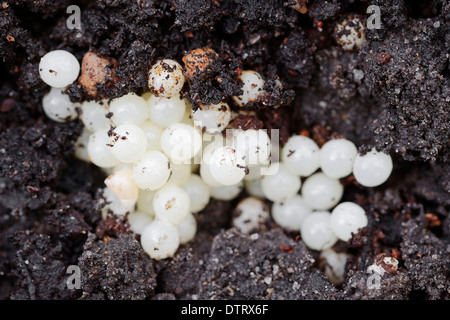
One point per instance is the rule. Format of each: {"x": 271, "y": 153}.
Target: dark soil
{"x": 394, "y": 94}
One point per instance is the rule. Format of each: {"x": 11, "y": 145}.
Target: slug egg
{"x": 128, "y": 143}
{"x": 251, "y": 214}
{"x": 322, "y": 192}
{"x": 337, "y": 157}
{"x": 198, "y": 191}
{"x": 59, "y": 68}
{"x": 290, "y": 213}
{"x": 187, "y": 228}
{"x": 166, "y": 111}
{"x": 226, "y": 193}
{"x": 316, "y": 231}
{"x": 301, "y": 155}
{"x": 253, "y": 144}
{"x": 138, "y": 221}
{"x": 212, "y": 118}
{"x": 181, "y": 142}
{"x": 253, "y": 87}
{"x": 160, "y": 239}
{"x": 152, "y": 171}
{"x": 165, "y": 78}
{"x": 129, "y": 108}
{"x": 227, "y": 165}
{"x": 346, "y": 219}
{"x": 99, "y": 151}
{"x": 94, "y": 116}
{"x": 281, "y": 185}
{"x": 171, "y": 203}
{"x": 373, "y": 168}
{"x": 58, "y": 107}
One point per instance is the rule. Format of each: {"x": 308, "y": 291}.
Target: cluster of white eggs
{"x": 165, "y": 161}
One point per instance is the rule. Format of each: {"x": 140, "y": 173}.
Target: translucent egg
{"x": 165, "y": 78}
{"x": 372, "y": 169}
{"x": 94, "y": 116}
{"x": 138, "y": 221}
{"x": 251, "y": 215}
{"x": 227, "y": 165}
{"x": 160, "y": 239}
{"x": 335, "y": 263}
{"x": 129, "y": 108}
{"x": 290, "y": 213}
{"x": 153, "y": 133}
{"x": 122, "y": 184}
{"x": 171, "y": 203}
{"x": 281, "y": 185}
{"x": 253, "y": 188}
{"x": 316, "y": 231}
{"x": 145, "y": 202}
{"x": 346, "y": 219}
{"x": 59, "y": 68}
{"x": 181, "y": 142}
{"x": 301, "y": 155}
{"x": 337, "y": 157}
{"x": 322, "y": 192}
{"x": 152, "y": 171}
{"x": 58, "y": 107}
{"x": 187, "y": 228}
{"x": 180, "y": 174}
{"x": 212, "y": 119}
{"x": 116, "y": 205}
{"x": 128, "y": 143}
{"x": 99, "y": 150}
{"x": 253, "y": 87}
{"x": 253, "y": 144}
{"x": 198, "y": 191}
{"x": 166, "y": 111}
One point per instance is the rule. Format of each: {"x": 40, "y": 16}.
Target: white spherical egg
{"x": 334, "y": 268}
{"x": 166, "y": 111}
{"x": 316, "y": 231}
{"x": 160, "y": 239}
{"x": 128, "y": 143}
{"x": 58, "y": 107}
{"x": 171, "y": 203}
{"x": 59, "y": 68}
{"x": 346, "y": 219}
{"x": 116, "y": 205}
{"x": 138, "y": 221}
{"x": 122, "y": 184}
{"x": 301, "y": 155}
{"x": 281, "y": 185}
{"x": 152, "y": 171}
{"x": 181, "y": 142}
{"x": 253, "y": 87}
{"x": 253, "y": 188}
{"x": 205, "y": 173}
{"x": 129, "y": 108}
{"x": 372, "y": 169}
{"x": 145, "y": 202}
{"x": 94, "y": 116}
{"x": 153, "y": 133}
{"x": 187, "y": 228}
{"x": 198, "y": 191}
{"x": 251, "y": 214}
{"x": 81, "y": 151}
{"x": 253, "y": 144}
{"x": 350, "y": 34}
{"x": 337, "y": 157}
{"x": 322, "y": 192}
{"x": 227, "y": 165}
{"x": 290, "y": 213}
{"x": 180, "y": 174}
{"x": 212, "y": 118}
{"x": 226, "y": 193}
{"x": 165, "y": 78}
{"x": 99, "y": 150}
